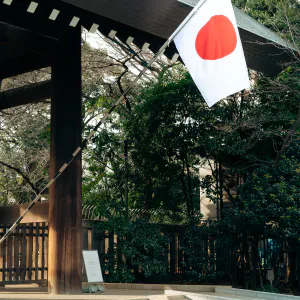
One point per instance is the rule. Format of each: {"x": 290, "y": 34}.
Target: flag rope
{"x": 101, "y": 122}
{"x": 83, "y": 144}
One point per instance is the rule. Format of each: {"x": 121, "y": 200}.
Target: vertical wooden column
{"x": 65, "y": 216}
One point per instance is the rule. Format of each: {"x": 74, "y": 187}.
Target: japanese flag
{"x": 210, "y": 46}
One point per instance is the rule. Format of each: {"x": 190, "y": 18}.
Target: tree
{"x": 24, "y": 131}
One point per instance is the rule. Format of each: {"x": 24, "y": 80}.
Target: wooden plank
{"x": 33, "y": 252}
{"x": 176, "y": 253}
{"x": 166, "y": 257}
{"x": 23, "y": 253}
{"x": 30, "y": 249}
{"x": 111, "y": 241}
{"x": 4, "y": 255}
{"x": 36, "y": 252}
{"x": 27, "y": 252}
{"x": 1, "y": 254}
{"x": 172, "y": 253}
{"x": 90, "y": 239}
{"x": 40, "y": 252}
{"x": 101, "y": 249}
{"x": 106, "y": 241}
{"x": 10, "y": 256}
{"x": 206, "y": 252}
{"x": 43, "y": 250}
{"x": 119, "y": 250}
{"x": 169, "y": 251}
{"x": 16, "y": 254}
{"x": 20, "y": 234}
{"x": 181, "y": 253}
{"x": 46, "y": 250}
{"x": 214, "y": 256}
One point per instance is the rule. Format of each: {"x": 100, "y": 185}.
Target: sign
{"x": 92, "y": 266}
{"x": 271, "y": 275}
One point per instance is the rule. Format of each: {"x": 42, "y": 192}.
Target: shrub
{"x": 140, "y": 249}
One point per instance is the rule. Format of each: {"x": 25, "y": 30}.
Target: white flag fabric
{"x": 210, "y": 47}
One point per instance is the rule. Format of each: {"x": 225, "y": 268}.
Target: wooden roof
{"x": 157, "y": 17}
{"x": 147, "y": 21}
{"x": 160, "y": 18}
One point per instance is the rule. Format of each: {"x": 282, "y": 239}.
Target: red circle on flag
{"x": 216, "y": 39}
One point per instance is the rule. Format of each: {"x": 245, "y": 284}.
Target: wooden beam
{"x": 33, "y": 93}
{"x": 16, "y": 14}
{"x": 21, "y": 65}
{"x": 65, "y": 205}
{"x": 39, "y": 213}
{"x": 29, "y": 40}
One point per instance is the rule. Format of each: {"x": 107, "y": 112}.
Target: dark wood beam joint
{"x": 28, "y": 40}
{"x": 33, "y": 93}
{"x": 21, "y": 65}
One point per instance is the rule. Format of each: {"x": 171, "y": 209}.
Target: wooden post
{"x": 126, "y": 179}
{"x": 65, "y": 216}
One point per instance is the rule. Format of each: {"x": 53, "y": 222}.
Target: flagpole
{"x": 186, "y": 20}
{"x": 101, "y": 122}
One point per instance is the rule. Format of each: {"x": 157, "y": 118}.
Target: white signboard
{"x": 271, "y": 275}
{"x": 92, "y": 266}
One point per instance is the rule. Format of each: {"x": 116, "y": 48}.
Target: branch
{"x": 288, "y": 138}
{"x": 25, "y": 177}
{"x": 290, "y": 27}
{"x": 128, "y": 106}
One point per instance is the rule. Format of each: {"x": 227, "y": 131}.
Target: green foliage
{"x": 270, "y": 198}
{"x": 201, "y": 245}
{"x": 104, "y": 180}
{"x": 275, "y": 14}
{"x": 164, "y": 144}
{"x": 163, "y": 151}
{"x": 140, "y": 247}
{"x": 268, "y": 288}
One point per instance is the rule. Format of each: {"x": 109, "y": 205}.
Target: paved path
{"x": 114, "y": 294}
{"x": 145, "y": 292}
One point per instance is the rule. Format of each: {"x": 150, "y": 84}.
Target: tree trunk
{"x": 190, "y": 191}
{"x": 221, "y": 176}
{"x": 184, "y": 191}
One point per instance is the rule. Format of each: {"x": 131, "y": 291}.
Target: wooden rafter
{"x": 33, "y": 93}
{"x": 21, "y": 65}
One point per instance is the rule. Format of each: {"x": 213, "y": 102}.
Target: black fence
{"x": 24, "y": 257}
{"x": 216, "y": 262}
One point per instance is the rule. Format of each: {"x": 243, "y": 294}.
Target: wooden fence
{"x": 23, "y": 257}
{"x": 174, "y": 233}
{"x": 176, "y": 261}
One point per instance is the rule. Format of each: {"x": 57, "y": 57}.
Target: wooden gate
{"x": 23, "y": 257}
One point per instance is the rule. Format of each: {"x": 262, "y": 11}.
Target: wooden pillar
{"x": 65, "y": 216}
